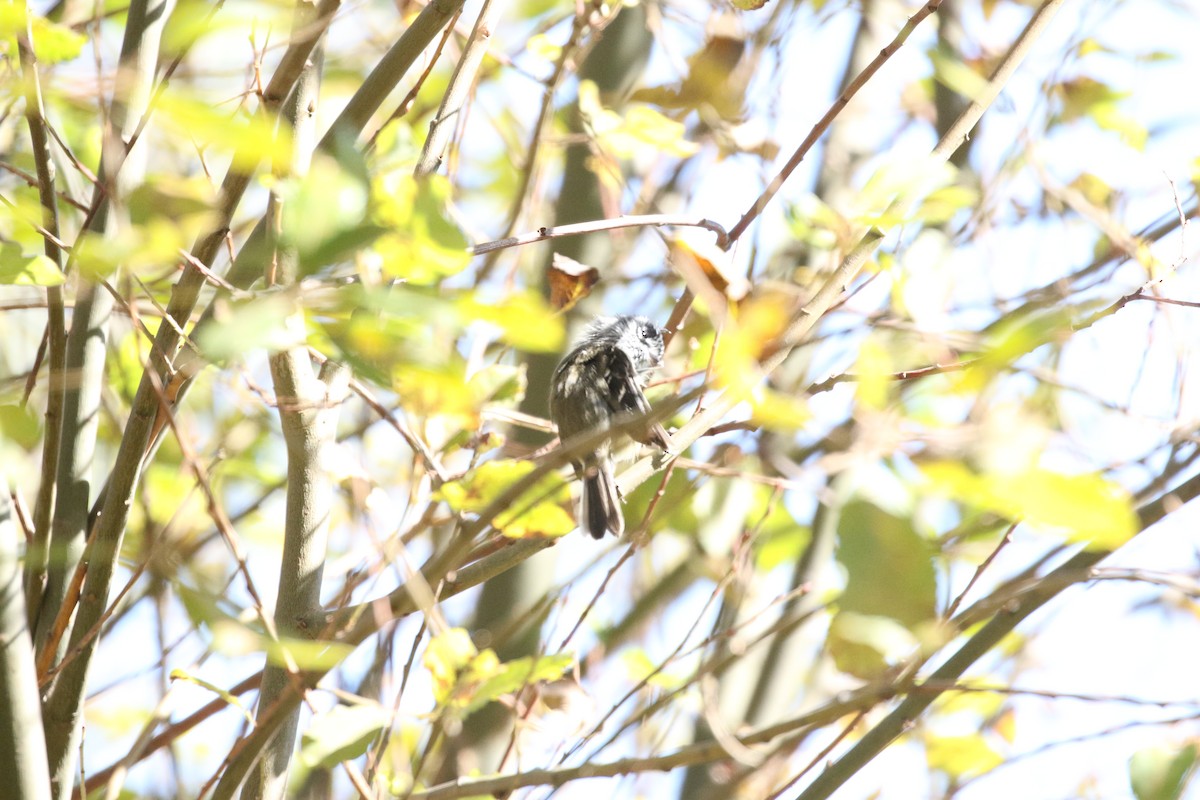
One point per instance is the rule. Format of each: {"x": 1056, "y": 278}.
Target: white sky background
{"x": 1089, "y": 640}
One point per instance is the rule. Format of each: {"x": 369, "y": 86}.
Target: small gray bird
{"x": 598, "y": 382}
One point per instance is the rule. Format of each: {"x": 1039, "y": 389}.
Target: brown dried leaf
{"x": 570, "y": 281}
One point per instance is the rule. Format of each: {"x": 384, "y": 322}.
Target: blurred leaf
{"x": 889, "y": 566}
{"x": 961, "y": 756}
{"x": 499, "y": 383}
{"x": 640, "y": 131}
{"x": 899, "y": 183}
{"x": 173, "y": 197}
{"x": 422, "y": 244}
{"x": 537, "y": 512}
{"x": 813, "y": 222}
{"x": 18, "y": 269}
{"x": 228, "y": 697}
{"x": 955, "y": 74}
{"x": 569, "y": 281}
{"x": 674, "y": 510}
{"x": 515, "y": 675}
{"x": 640, "y": 667}
{"x": 890, "y": 591}
{"x": 781, "y": 539}
{"x": 778, "y": 411}
{"x": 1161, "y": 773}
{"x": 232, "y": 638}
{"x": 251, "y": 139}
{"x": 874, "y": 369}
{"x": 524, "y": 319}
{"x": 541, "y": 46}
{"x": 20, "y": 425}
{"x": 1087, "y": 508}
{"x": 865, "y": 645}
{"x": 341, "y": 734}
{"x": 940, "y": 205}
{"x": 325, "y": 213}
{"x": 268, "y": 321}
{"x": 1016, "y": 336}
{"x": 446, "y": 655}
{"x": 52, "y": 43}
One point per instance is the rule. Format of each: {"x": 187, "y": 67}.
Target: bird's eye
{"x": 648, "y": 331}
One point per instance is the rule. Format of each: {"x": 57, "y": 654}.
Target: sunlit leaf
{"x": 1162, "y": 773}
{"x": 1086, "y": 508}
{"x": 341, "y": 734}
{"x": 865, "y": 645}
{"x": 228, "y": 697}
{"x": 515, "y": 675}
{"x": 422, "y": 244}
{"x": 961, "y": 756}
{"x": 19, "y": 425}
{"x": 874, "y": 369}
{"x": 641, "y": 130}
{"x": 950, "y": 70}
{"x": 244, "y": 325}
{"x": 250, "y": 139}
{"x": 781, "y": 539}
{"x": 570, "y": 281}
{"x": 524, "y": 319}
{"x": 640, "y": 667}
{"x": 52, "y": 43}
{"x": 537, "y": 512}
{"x": 18, "y": 269}
{"x": 235, "y": 639}
{"x": 325, "y": 213}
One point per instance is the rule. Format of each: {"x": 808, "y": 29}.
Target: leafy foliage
{"x": 917, "y": 393}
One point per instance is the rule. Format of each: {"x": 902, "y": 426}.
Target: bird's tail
{"x": 600, "y": 505}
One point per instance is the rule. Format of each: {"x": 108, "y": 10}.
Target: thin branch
{"x": 824, "y": 122}
{"x": 575, "y": 229}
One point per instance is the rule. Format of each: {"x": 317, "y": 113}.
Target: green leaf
{"x": 953, "y": 73}
{"x": 514, "y": 675}
{"x": 447, "y": 654}
{"x": 228, "y": 697}
{"x": 269, "y": 321}
{"x": 19, "y": 425}
{"x": 18, "y": 269}
{"x": 1015, "y": 337}
{"x": 233, "y": 638}
{"x": 640, "y": 130}
{"x": 499, "y": 383}
{"x": 1087, "y": 508}
{"x": 250, "y": 139}
{"x": 341, "y": 734}
{"x": 423, "y": 245}
{"x": 1161, "y": 773}
{"x": 537, "y": 512}
{"x": 675, "y": 510}
{"x": 890, "y": 595}
{"x": 525, "y": 320}
{"x": 865, "y": 645}
{"x": 889, "y": 566}
{"x": 52, "y": 43}
{"x": 325, "y": 213}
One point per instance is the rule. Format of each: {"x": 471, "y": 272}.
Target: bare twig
{"x": 645, "y": 220}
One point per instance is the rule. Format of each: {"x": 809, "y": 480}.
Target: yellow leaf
{"x": 1087, "y": 508}
{"x": 961, "y": 756}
